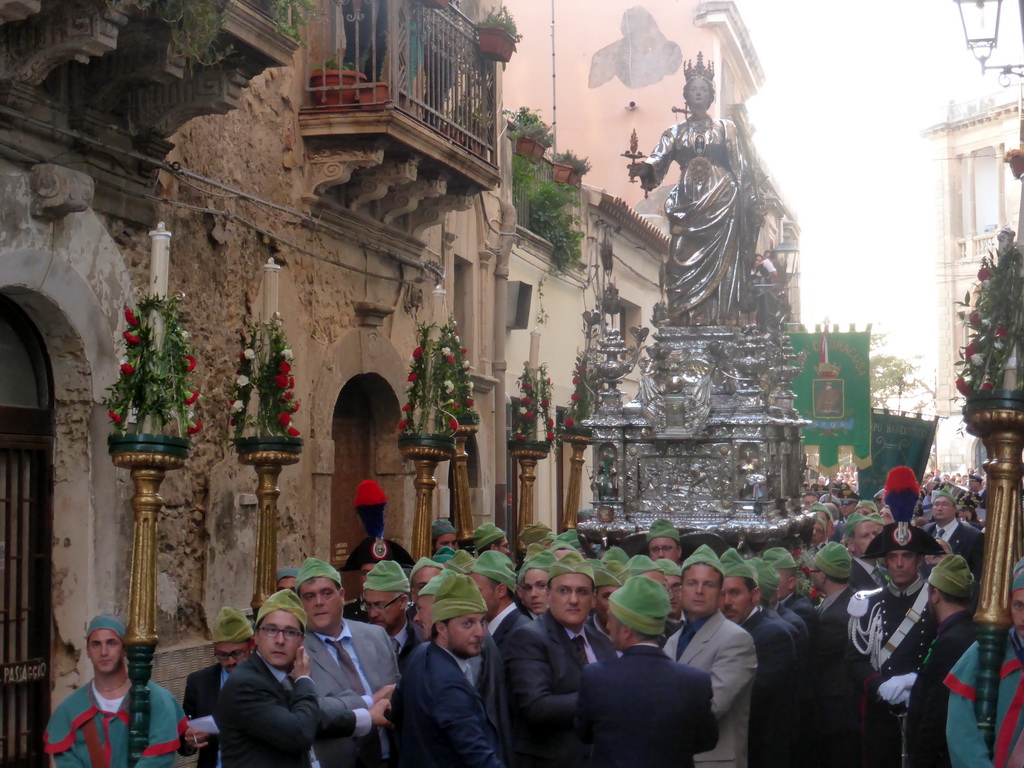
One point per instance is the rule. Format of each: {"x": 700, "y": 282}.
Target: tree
{"x": 895, "y": 378}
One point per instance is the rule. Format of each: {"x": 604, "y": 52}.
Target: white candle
{"x": 159, "y": 260}
{"x": 1010, "y": 372}
{"x": 534, "y": 347}
{"x": 271, "y": 275}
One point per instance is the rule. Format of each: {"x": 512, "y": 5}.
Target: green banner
{"x": 896, "y": 441}
{"x": 833, "y": 391}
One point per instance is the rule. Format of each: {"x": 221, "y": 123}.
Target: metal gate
{"x": 26, "y": 523}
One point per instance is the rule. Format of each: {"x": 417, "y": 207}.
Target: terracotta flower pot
{"x": 333, "y": 82}
{"x": 530, "y": 148}
{"x": 565, "y": 174}
{"x": 372, "y": 96}
{"x": 1016, "y": 164}
{"x": 495, "y": 43}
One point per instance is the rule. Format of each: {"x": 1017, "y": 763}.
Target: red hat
{"x": 369, "y": 493}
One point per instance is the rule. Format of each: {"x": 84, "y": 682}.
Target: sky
{"x": 849, "y": 89}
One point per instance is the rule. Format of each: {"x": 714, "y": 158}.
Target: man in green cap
{"x": 663, "y": 542}
{"x": 269, "y": 710}
{"x": 534, "y": 533}
{"x": 544, "y": 666}
{"x": 97, "y": 713}
{"x": 860, "y": 532}
{"x": 496, "y": 581}
{"x": 787, "y": 597}
{"x": 425, "y": 569}
{"x": 964, "y": 735}
{"x": 385, "y": 601}
{"x": 608, "y": 577}
{"x": 709, "y": 641}
{"x": 565, "y": 542}
{"x": 642, "y": 565}
{"x": 353, "y": 665}
{"x": 442, "y": 534}
{"x": 643, "y": 692}
{"x": 285, "y": 578}
{"x": 461, "y": 562}
{"x": 949, "y": 599}
{"x": 489, "y": 536}
{"x": 533, "y": 583}
{"x": 439, "y": 713}
{"x": 674, "y": 584}
{"x": 232, "y": 643}
{"x": 834, "y": 732}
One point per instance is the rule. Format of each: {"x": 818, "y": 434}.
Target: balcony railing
{"x": 424, "y": 62}
{"x": 973, "y": 248}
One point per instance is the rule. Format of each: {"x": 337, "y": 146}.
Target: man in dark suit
{"x": 269, "y": 714}
{"x": 438, "y": 711}
{"x": 951, "y": 585}
{"x": 496, "y": 581}
{"x": 544, "y": 664}
{"x": 964, "y": 540}
{"x": 860, "y": 532}
{"x": 354, "y": 667}
{"x": 834, "y": 738}
{"x": 773, "y": 696}
{"x": 386, "y": 602}
{"x": 232, "y": 643}
{"x": 643, "y": 692}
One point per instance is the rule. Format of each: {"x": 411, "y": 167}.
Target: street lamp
{"x": 981, "y": 26}
{"x": 785, "y": 256}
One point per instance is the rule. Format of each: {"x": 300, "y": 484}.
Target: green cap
{"x": 443, "y": 555}
{"x": 868, "y": 505}
{"x": 663, "y": 529}
{"x": 833, "y": 560}
{"x": 703, "y": 555}
{"x": 461, "y": 562}
{"x": 735, "y": 566}
{"x": 952, "y": 576}
{"x": 819, "y": 507}
{"x": 440, "y": 528}
{"x": 779, "y": 557}
{"x": 640, "y": 564}
{"x": 875, "y": 517}
{"x": 285, "y": 600}
{"x": 533, "y": 533}
{"x": 822, "y": 518}
{"x": 541, "y": 561}
{"x": 316, "y": 569}
{"x": 535, "y": 549}
{"x": 944, "y": 491}
{"x": 568, "y": 539}
{"x": 855, "y": 519}
{"x": 495, "y": 565}
{"x": 423, "y": 562}
{"x": 107, "y": 621}
{"x": 641, "y": 604}
{"x": 285, "y": 572}
{"x": 231, "y": 626}
{"x": 611, "y": 574}
{"x": 669, "y": 567}
{"x": 387, "y": 576}
{"x": 1018, "y": 576}
{"x": 487, "y": 534}
{"x": 457, "y": 596}
{"x": 431, "y": 587}
{"x": 767, "y": 579}
{"x": 615, "y": 555}
{"x": 571, "y": 563}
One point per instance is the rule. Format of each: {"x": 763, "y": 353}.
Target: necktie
{"x": 348, "y": 668}
{"x": 581, "y": 649}
{"x": 685, "y": 638}
{"x": 398, "y": 648}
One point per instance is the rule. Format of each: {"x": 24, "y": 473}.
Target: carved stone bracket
{"x": 16, "y": 10}
{"x": 374, "y": 184}
{"x": 432, "y": 211}
{"x": 58, "y": 191}
{"x": 334, "y": 167}
{"x": 408, "y": 198}
{"x": 67, "y": 31}
{"x": 142, "y": 58}
{"x": 162, "y": 109}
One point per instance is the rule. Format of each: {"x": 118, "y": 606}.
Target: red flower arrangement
{"x": 531, "y": 417}
{"x": 264, "y": 370}
{"x": 440, "y": 383}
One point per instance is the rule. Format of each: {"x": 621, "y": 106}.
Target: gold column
{"x": 268, "y": 466}
{"x": 463, "y": 510}
{"x": 527, "y": 458}
{"x": 571, "y": 509}
{"x": 425, "y": 456}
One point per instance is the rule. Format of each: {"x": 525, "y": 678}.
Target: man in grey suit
{"x": 709, "y": 641}
{"x": 355, "y": 670}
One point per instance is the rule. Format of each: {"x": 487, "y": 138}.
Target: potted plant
{"x": 567, "y": 168}
{"x": 332, "y": 87}
{"x": 532, "y": 136}
{"x": 533, "y": 428}
{"x": 581, "y": 402}
{"x": 428, "y": 416}
{"x": 1015, "y": 159}
{"x": 459, "y": 371}
{"x": 264, "y": 372}
{"x": 154, "y": 390}
{"x": 498, "y": 35}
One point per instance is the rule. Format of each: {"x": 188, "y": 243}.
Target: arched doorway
{"x": 365, "y": 413}
{"x": 26, "y": 485}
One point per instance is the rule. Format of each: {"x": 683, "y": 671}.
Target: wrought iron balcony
{"x": 394, "y": 82}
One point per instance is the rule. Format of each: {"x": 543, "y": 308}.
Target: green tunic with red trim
{"x": 65, "y": 739}
{"x": 966, "y": 745}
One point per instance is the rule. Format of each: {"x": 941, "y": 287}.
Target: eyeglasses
{"x": 378, "y": 607}
{"x": 291, "y": 635}
{"x": 663, "y": 550}
{"x": 241, "y": 653}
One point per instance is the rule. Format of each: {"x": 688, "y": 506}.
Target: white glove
{"x": 889, "y": 690}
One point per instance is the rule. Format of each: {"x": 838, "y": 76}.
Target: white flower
{"x": 242, "y": 381}
{"x": 448, "y": 385}
{"x": 446, "y": 351}
{"x": 523, "y": 411}
{"x": 250, "y": 354}
{"x": 977, "y": 359}
{"x": 184, "y": 333}
{"x": 236, "y": 406}
{"x": 467, "y": 366}
{"x": 288, "y": 354}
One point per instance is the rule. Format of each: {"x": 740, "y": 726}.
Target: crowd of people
{"x": 857, "y": 650}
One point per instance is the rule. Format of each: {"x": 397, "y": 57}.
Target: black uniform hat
{"x": 920, "y": 541}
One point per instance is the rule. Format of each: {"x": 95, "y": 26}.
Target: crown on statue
{"x": 827, "y": 370}
{"x": 706, "y": 73}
